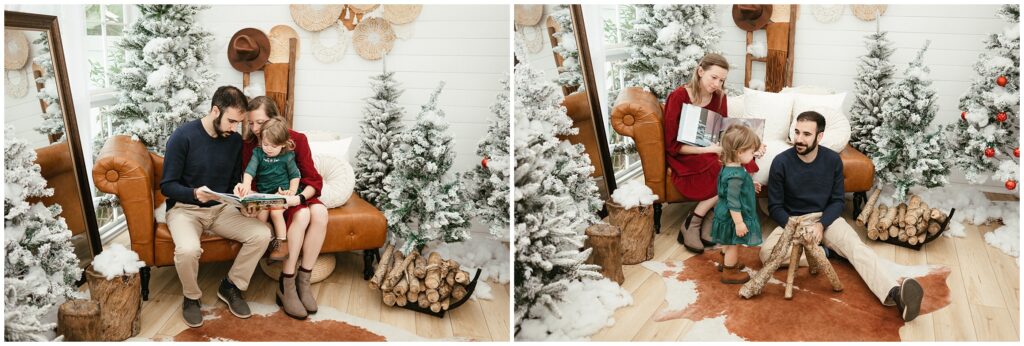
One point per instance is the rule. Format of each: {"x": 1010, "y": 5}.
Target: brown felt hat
{"x": 248, "y": 50}
{"x": 751, "y": 17}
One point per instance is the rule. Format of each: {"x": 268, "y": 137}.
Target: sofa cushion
{"x": 357, "y": 225}
{"x": 809, "y": 102}
{"x": 337, "y": 148}
{"x": 775, "y": 108}
{"x": 773, "y": 148}
{"x": 339, "y": 179}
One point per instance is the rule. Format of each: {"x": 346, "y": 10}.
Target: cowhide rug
{"x": 816, "y": 313}
{"x": 269, "y": 323}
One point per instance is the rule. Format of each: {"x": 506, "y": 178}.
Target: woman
{"x": 306, "y": 216}
{"x": 695, "y": 169}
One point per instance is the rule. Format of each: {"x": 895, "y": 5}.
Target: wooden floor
{"x": 345, "y": 290}
{"x": 984, "y": 284}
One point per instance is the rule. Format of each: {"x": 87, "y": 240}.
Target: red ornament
{"x": 963, "y": 116}
{"x": 989, "y": 152}
{"x": 1016, "y": 152}
{"x": 484, "y": 162}
{"x": 1001, "y": 117}
{"x": 1001, "y": 81}
{"x": 1011, "y": 185}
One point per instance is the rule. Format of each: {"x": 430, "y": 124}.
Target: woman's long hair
{"x": 269, "y": 107}
{"x": 711, "y": 59}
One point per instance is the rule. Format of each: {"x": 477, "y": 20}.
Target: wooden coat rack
{"x": 279, "y": 79}
{"x": 779, "y": 62}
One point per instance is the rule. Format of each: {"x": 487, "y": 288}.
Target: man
{"x": 808, "y": 178}
{"x": 204, "y": 154}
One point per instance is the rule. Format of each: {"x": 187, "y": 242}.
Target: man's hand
{"x": 203, "y": 196}
{"x": 241, "y": 190}
{"x": 757, "y": 187}
{"x": 817, "y": 232}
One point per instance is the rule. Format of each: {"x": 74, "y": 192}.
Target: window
{"x": 618, "y": 21}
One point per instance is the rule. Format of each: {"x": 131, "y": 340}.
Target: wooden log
{"x": 903, "y": 235}
{"x": 410, "y": 276}
{"x": 453, "y": 266}
{"x": 901, "y": 212}
{"x": 120, "y": 301}
{"x": 922, "y": 225}
{"x": 938, "y": 215}
{"x": 79, "y": 320}
{"x": 636, "y": 229}
{"x": 914, "y": 210}
{"x": 398, "y": 271}
{"x": 382, "y": 267}
{"x": 873, "y": 222}
{"x": 933, "y": 228}
{"x": 604, "y": 242}
{"x": 462, "y": 277}
{"x": 459, "y": 292}
{"x": 433, "y": 295}
{"x": 421, "y": 267}
{"x": 912, "y": 240}
{"x": 921, "y": 238}
{"x": 401, "y": 300}
{"x": 402, "y": 287}
{"x": 450, "y": 279}
{"x": 387, "y": 284}
{"x": 885, "y": 221}
{"x": 412, "y": 297}
{"x": 444, "y": 291}
{"x": 435, "y": 306}
{"x": 775, "y": 260}
{"x": 389, "y": 298}
{"x": 794, "y": 263}
{"x": 445, "y": 303}
{"x": 422, "y": 300}
{"x": 433, "y": 278}
{"x": 869, "y": 207}
{"x": 818, "y": 255}
{"x": 894, "y": 231}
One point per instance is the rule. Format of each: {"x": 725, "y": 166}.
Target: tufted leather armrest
{"x": 125, "y": 168}
{"x": 858, "y": 170}
{"x": 637, "y": 114}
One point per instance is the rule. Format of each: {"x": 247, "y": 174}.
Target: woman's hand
{"x": 292, "y": 200}
{"x": 760, "y": 152}
{"x": 714, "y": 149}
{"x": 241, "y": 190}
{"x": 741, "y": 229}
{"x": 757, "y": 187}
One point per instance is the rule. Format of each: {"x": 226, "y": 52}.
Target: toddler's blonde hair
{"x": 735, "y": 139}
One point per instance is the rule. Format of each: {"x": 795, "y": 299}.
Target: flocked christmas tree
{"x": 53, "y": 117}
{"x": 40, "y": 266}
{"x": 379, "y": 129}
{"x": 488, "y": 183}
{"x": 874, "y": 77}
{"x": 166, "y": 78}
{"x": 569, "y": 74}
{"x": 555, "y": 197}
{"x": 909, "y": 154}
{"x": 985, "y": 142}
{"x": 422, "y": 202}
{"x": 667, "y": 42}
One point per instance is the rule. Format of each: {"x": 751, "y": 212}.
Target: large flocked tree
{"x": 53, "y": 116}
{"x": 379, "y": 129}
{"x": 488, "y": 183}
{"x": 555, "y": 197}
{"x": 874, "y": 77}
{"x": 985, "y": 142}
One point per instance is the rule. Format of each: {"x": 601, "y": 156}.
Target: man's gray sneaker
{"x": 232, "y": 296}
{"x": 192, "y": 312}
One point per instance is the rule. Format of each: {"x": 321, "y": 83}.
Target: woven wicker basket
{"x": 402, "y": 14}
{"x": 373, "y": 38}
{"x": 529, "y": 14}
{"x": 316, "y": 19}
{"x": 323, "y": 268}
{"x": 868, "y": 12}
{"x": 361, "y": 9}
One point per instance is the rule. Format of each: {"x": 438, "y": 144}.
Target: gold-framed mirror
{"x": 38, "y": 105}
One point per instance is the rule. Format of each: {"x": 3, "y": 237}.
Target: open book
{"x": 255, "y": 201}
{"x": 701, "y": 127}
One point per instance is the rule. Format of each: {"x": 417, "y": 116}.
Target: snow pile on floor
{"x": 589, "y": 307}
{"x": 1007, "y": 237}
{"x": 710, "y": 329}
{"x": 485, "y": 253}
{"x": 482, "y": 291}
{"x": 973, "y": 207}
{"x": 117, "y": 260}
{"x": 632, "y": 194}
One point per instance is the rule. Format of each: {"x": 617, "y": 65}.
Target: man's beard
{"x": 808, "y": 149}
{"x": 216, "y": 127}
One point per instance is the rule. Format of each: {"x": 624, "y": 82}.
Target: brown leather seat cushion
{"x": 357, "y": 225}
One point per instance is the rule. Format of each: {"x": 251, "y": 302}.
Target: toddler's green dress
{"x": 735, "y": 193}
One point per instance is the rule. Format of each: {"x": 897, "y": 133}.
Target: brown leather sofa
{"x": 637, "y": 114}
{"x": 58, "y": 168}
{"x": 125, "y": 168}
{"x": 577, "y": 107}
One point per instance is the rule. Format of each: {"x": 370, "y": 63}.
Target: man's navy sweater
{"x": 796, "y": 188}
{"x": 195, "y": 159}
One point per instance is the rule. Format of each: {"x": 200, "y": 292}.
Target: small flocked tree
{"x": 909, "y": 154}
{"x": 874, "y": 77}
{"x": 985, "y": 142}
{"x": 569, "y": 74}
{"x": 167, "y": 76}
{"x": 667, "y": 42}
{"x": 53, "y": 117}
{"x": 488, "y": 183}
{"x": 40, "y": 266}
{"x": 423, "y": 203}
{"x": 555, "y": 197}
{"x": 379, "y": 129}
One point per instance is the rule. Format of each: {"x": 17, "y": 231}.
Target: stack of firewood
{"x": 429, "y": 282}
{"x": 911, "y": 222}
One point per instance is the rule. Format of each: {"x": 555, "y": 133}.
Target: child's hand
{"x": 285, "y": 192}
{"x": 241, "y": 190}
{"x": 741, "y": 229}
{"x": 757, "y": 187}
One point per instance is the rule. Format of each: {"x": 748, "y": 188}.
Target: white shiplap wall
{"x": 465, "y": 46}
{"x": 826, "y": 54}
{"x": 24, "y": 112}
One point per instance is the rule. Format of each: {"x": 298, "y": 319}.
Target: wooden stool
{"x": 79, "y": 320}
{"x": 603, "y": 239}
{"x": 794, "y": 241}
{"x": 637, "y": 227}
{"x": 120, "y": 301}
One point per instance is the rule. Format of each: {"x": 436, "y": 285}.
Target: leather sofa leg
{"x": 144, "y": 276}
{"x": 368, "y": 257}
{"x": 859, "y": 199}
{"x": 657, "y": 218}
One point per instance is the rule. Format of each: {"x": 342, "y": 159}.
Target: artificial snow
{"x": 486, "y": 253}
{"x": 482, "y": 291}
{"x": 1006, "y": 238}
{"x": 632, "y": 194}
{"x": 758, "y": 49}
{"x": 588, "y": 307}
{"x": 117, "y": 260}
{"x": 711, "y": 329}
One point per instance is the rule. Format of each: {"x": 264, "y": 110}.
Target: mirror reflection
{"x": 33, "y": 110}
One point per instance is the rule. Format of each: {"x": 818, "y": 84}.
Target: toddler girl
{"x": 736, "y": 221}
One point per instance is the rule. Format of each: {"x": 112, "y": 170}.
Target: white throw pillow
{"x": 736, "y": 107}
{"x": 339, "y": 179}
{"x": 335, "y": 148}
{"x": 837, "y": 128}
{"x": 775, "y": 108}
{"x": 808, "y": 102}
{"x": 321, "y": 136}
{"x": 764, "y": 164}
{"x": 808, "y": 90}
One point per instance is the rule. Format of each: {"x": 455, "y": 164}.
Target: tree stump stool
{"x": 793, "y": 243}
{"x": 79, "y": 320}
{"x": 120, "y": 302}
{"x": 606, "y": 252}
{"x": 637, "y": 228}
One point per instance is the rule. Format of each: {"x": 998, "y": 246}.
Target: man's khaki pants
{"x": 187, "y": 222}
{"x": 845, "y": 241}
